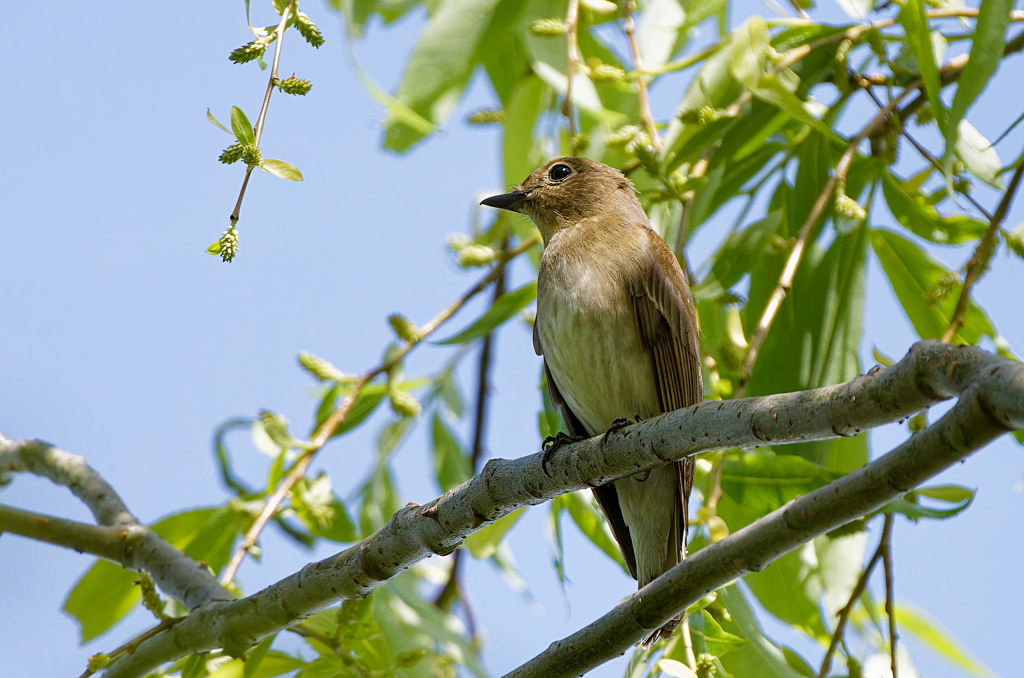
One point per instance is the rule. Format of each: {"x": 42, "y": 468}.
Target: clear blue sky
{"x": 127, "y": 344}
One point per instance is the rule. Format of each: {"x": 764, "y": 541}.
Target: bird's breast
{"x": 588, "y": 331}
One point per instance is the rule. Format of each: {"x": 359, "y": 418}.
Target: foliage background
{"x": 127, "y": 344}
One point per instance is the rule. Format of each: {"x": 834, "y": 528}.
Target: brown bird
{"x": 617, "y": 328}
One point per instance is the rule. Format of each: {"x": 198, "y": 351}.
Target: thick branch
{"x": 141, "y": 549}
{"x": 992, "y": 401}
{"x": 973, "y": 422}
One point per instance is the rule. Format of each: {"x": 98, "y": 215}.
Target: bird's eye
{"x": 559, "y": 172}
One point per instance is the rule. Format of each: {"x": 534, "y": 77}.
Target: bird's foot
{"x": 617, "y": 425}
{"x": 552, "y": 444}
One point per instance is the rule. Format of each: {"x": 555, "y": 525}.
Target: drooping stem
{"x": 261, "y": 120}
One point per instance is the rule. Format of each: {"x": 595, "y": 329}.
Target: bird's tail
{"x": 664, "y": 633}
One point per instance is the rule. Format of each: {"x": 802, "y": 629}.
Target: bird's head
{"x": 565, "y": 191}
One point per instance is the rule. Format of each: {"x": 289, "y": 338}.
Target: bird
{"x": 617, "y": 329}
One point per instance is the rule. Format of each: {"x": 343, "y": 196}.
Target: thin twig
{"x": 453, "y": 589}
{"x": 978, "y": 263}
{"x": 337, "y": 417}
{"x": 796, "y": 254}
{"x": 885, "y": 546}
{"x": 926, "y": 154}
{"x": 646, "y": 117}
{"x": 258, "y": 130}
{"x": 855, "y": 594}
{"x": 572, "y": 63}
{"x": 130, "y": 646}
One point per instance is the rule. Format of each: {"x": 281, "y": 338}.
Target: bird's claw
{"x": 617, "y": 425}
{"x": 551, "y": 445}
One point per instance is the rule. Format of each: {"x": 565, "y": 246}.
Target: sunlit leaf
{"x": 987, "y": 47}
{"x": 438, "y": 68}
{"x": 280, "y": 168}
{"x": 978, "y": 155}
{"x": 937, "y": 639}
{"x": 916, "y": 278}
{"x": 242, "y": 128}
{"x": 915, "y": 23}
{"x": 101, "y": 598}
{"x": 919, "y": 217}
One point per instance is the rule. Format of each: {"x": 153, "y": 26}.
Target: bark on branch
{"x": 138, "y": 548}
{"x": 991, "y": 391}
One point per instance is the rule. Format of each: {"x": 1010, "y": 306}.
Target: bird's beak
{"x": 506, "y": 201}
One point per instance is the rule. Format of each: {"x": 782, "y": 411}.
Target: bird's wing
{"x": 606, "y": 495}
{"x": 667, "y": 322}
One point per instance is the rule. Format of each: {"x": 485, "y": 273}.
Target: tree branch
{"x": 102, "y": 541}
{"x": 141, "y": 549}
{"x": 991, "y": 392}
{"x": 973, "y": 422}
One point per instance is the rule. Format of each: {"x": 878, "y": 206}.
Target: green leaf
{"x": 242, "y": 127}
{"x": 101, "y": 598}
{"x": 797, "y": 662}
{"x": 411, "y": 626}
{"x": 451, "y": 465}
{"x": 915, "y": 214}
{"x": 987, "y": 46}
{"x": 280, "y": 168}
{"x": 254, "y": 658}
{"x": 439, "y": 68}
{"x": 717, "y": 641}
{"x": 939, "y": 640}
{"x": 915, "y": 24}
{"x": 397, "y": 111}
{"x": 910, "y": 506}
{"x": 339, "y": 527}
{"x": 501, "y": 311}
{"x": 756, "y": 482}
{"x": 658, "y": 31}
{"x": 748, "y": 55}
{"x": 380, "y": 500}
{"x": 205, "y": 535}
{"x": 369, "y": 398}
{"x": 914, "y": 276}
{"x": 760, "y": 657}
{"x": 790, "y": 589}
{"x": 816, "y": 336}
{"x": 521, "y": 152}
{"x": 484, "y": 542}
{"x": 209, "y": 116}
{"x": 392, "y": 434}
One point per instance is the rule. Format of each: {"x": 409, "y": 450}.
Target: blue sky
{"x": 127, "y": 344}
